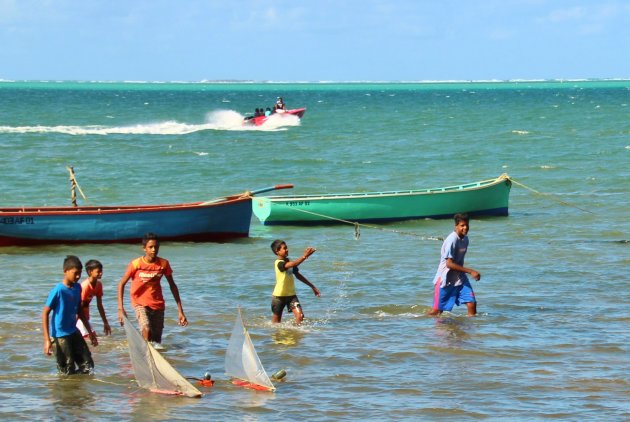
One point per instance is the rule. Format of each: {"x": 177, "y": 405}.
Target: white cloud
{"x": 593, "y": 14}
{"x": 576, "y": 13}
{"x": 591, "y": 19}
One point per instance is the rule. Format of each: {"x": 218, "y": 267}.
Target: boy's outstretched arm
{"x": 304, "y": 280}
{"x": 453, "y": 266}
{"x": 307, "y": 252}
{"x": 180, "y": 310}
{"x": 47, "y": 342}
{"x": 101, "y": 310}
{"x": 121, "y": 294}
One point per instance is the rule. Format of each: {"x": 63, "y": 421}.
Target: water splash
{"x": 215, "y": 120}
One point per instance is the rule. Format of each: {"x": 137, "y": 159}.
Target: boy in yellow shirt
{"x": 284, "y": 295}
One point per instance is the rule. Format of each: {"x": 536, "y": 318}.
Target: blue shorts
{"x": 446, "y": 297}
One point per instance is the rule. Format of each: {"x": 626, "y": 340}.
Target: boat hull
{"x": 210, "y": 221}
{"x": 485, "y": 198}
{"x": 259, "y": 120}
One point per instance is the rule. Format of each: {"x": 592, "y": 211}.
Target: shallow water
{"x": 551, "y": 339}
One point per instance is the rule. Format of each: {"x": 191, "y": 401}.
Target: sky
{"x": 324, "y": 40}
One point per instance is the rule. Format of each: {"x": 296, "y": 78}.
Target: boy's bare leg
{"x": 299, "y": 316}
{"x": 472, "y": 308}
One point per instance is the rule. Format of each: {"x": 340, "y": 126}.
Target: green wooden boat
{"x": 486, "y": 198}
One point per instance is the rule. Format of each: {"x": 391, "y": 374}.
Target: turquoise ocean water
{"x": 551, "y": 340}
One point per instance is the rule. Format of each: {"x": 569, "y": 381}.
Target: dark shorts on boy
{"x": 73, "y": 355}
{"x": 151, "y": 319}
{"x": 448, "y": 296}
{"x": 278, "y": 303}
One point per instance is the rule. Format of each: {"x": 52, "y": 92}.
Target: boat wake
{"x": 215, "y": 120}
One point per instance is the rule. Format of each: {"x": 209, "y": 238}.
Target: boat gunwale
{"x": 466, "y": 187}
{"x": 113, "y": 209}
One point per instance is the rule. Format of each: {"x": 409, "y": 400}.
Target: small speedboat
{"x": 260, "y": 120}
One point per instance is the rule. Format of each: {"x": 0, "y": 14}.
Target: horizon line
{"x": 323, "y": 82}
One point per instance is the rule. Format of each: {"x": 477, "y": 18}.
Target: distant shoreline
{"x": 222, "y": 84}
{"x": 246, "y": 81}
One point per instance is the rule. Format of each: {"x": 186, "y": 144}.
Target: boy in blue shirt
{"x": 451, "y": 282}
{"x": 64, "y": 300}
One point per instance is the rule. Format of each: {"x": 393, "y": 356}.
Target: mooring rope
{"x": 550, "y": 196}
{"x": 357, "y": 225}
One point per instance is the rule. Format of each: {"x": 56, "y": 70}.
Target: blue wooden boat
{"x": 216, "y": 220}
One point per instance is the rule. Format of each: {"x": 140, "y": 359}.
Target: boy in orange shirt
{"x": 145, "y": 274}
{"x": 92, "y": 287}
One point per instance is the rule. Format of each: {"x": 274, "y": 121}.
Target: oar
{"x": 270, "y": 188}
{"x": 249, "y": 193}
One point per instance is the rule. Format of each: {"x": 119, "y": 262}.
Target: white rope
{"x": 550, "y": 196}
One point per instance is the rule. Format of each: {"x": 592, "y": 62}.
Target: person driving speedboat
{"x": 279, "y": 107}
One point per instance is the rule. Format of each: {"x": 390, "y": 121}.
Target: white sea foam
{"x": 162, "y": 128}
{"x": 231, "y": 120}
{"x": 216, "y": 120}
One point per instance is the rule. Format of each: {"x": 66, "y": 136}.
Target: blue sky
{"x": 324, "y": 40}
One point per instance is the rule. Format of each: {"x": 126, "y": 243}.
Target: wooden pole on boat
{"x": 73, "y": 186}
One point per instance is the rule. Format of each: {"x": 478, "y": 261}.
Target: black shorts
{"x": 73, "y": 355}
{"x": 278, "y": 303}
